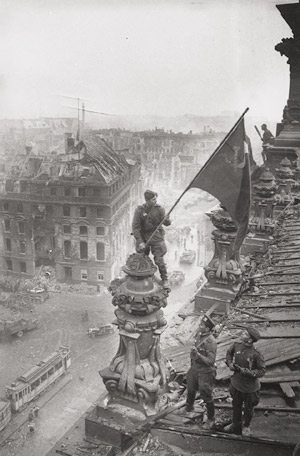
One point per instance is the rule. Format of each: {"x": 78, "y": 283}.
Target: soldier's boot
{"x": 210, "y": 407}
{"x": 164, "y": 276}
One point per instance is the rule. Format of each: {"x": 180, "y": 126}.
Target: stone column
{"x": 223, "y": 273}
{"x": 138, "y": 373}
{"x": 261, "y": 223}
{"x": 287, "y": 139}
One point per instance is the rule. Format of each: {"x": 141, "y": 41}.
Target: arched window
{"x": 83, "y": 250}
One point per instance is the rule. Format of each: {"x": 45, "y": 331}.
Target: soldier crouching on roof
{"x": 145, "y": 221}
{"x": 248, "y": 365}
{"x": 202, "y": 373}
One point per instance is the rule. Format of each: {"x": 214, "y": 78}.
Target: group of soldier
{"x": 247, "y": 365}
{"x": 242, "y": 358}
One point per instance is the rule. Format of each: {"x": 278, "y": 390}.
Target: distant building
{"x": 71, "y": 210}
{"x": 161, "y": 151}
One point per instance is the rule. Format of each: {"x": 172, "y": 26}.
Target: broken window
{"x": 84, "y": 275}
{"x": 7, "y": 225}
{"x": 100, "y": 230}
{"x": 66, "y": 211}
{"x": 21, "y": 227}
{"x": 8, "y": 245}
{"x": 100, "y": 251}
{"x": 67, "y": 249}
{"x": 82, "y": 211}
{"x": 68, "y": 273}
{"x": 23, "y": 186}
{"x": 20, "y": 207}
{"x": 83, "y": 230}
{"x": 22, "y": 266}
{"x": 9, "y": 264}
{"x": 22, "y": 247}
{"x": 81, "y": 191}
{"x": 67, "y": 229}
{"x": 83, "y": 250}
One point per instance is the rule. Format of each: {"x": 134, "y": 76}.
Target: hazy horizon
{"x": 169, "y": 58}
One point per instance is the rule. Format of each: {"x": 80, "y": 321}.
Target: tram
{"x": 29, "y": 385}
{"x": 5, "y": 413}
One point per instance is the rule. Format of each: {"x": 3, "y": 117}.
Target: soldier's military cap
{"x": 149, "y": 194}
{"x": 208, "y": 322}
{"x": 254, "y": 334}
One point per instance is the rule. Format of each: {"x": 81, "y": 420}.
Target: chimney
{"x": 69, "y": 142}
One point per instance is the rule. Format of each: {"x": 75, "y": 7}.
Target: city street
{"x": 61, "y": 323}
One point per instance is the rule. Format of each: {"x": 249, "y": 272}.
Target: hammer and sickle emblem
{"x": 236, "y": 157}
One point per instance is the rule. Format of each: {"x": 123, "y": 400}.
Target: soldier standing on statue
{"x": 146, "y": 219}
{"x": 202, "y": 373}
{"x": 248, "y": 365}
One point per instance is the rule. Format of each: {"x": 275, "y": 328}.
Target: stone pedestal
{"x": 138, "y": 373}
{"x": 223, "y": 273}
{"x": 261, "y": 223}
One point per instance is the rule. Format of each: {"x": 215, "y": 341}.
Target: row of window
{"x": 83, "y": 247}
{"x": 20, "y": 207}
{"x": 83, "y": 230}
{"x": 66, "y": 211}
{"x": 83, "y": 274}
{"x": 84, "y": 251}
{"x": 21, "y": 244}
{"x": 100, "y": 211}
{"x": 77, "y": 191}
{"x": 22, "y": 265}
{"x": 7, "y": 226}
{"x": 80, "y": 191}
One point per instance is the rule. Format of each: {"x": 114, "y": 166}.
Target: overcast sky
{"x": 142, "y": 57}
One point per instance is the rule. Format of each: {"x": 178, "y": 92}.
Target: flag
{"x": 226, "y": 175}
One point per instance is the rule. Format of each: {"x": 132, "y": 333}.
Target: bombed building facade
{"x": 70, "y": 210}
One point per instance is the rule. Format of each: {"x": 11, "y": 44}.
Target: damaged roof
{"x": 108, "y": 163}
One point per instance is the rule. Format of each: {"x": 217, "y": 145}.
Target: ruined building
{"x": 71, "y": 211}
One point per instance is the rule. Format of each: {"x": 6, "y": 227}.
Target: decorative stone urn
{"x": 223, "y": 273}
{"x": 262, "y": 222}
{"x": 138, "y": 373}
{"x": 285, "y": 180}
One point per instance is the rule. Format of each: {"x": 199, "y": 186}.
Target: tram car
{"x": 29, "y": 385}
{"x": 5, "y": 413}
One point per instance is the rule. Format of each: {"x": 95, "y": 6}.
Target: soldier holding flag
{"x": 226, "y": 176}
{"x": 149, "y": 233}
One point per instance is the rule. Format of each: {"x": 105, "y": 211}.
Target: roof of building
{"x": 108, "y": 163}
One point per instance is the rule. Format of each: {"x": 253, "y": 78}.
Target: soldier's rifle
{"x": 258, "y": 132}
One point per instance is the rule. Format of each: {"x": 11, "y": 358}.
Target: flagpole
{"x": 203, "y": 167}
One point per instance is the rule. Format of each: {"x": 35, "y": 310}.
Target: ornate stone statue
{"x": 138, "y": 373}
